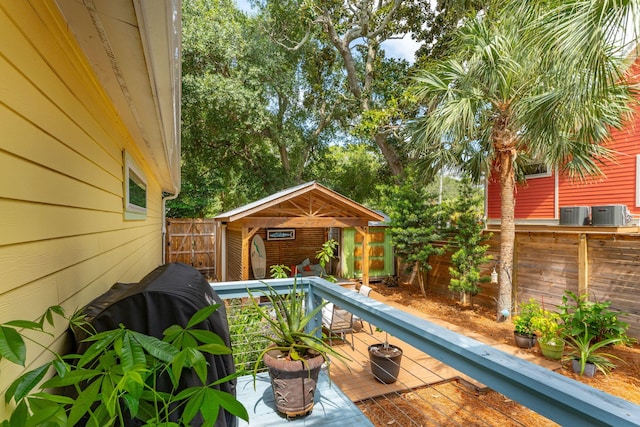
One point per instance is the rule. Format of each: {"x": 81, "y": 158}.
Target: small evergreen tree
{"x": 416, "y": 220}
{"x": 467, "y": 240}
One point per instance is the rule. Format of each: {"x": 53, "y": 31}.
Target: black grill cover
{"x": 169, "y": 295}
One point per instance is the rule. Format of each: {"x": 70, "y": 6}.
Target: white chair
{"x": 337, "y": 321}
{"x": 364, "y": 290}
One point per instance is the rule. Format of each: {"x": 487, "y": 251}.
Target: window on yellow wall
{"x": 135, "y": 190}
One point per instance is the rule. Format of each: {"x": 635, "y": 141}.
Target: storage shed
{"x": 293, "y": 224}
{"x": 381, "y": 255}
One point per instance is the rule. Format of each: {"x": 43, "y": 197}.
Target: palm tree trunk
{"x": 507, "y": 232}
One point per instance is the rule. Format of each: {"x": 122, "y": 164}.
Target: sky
{"x": 401, "y": 49}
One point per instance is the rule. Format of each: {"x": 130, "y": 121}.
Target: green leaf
{"x": 83, "y": 403}
{"x": 19, "y": 416}
{"x": 228, "y": 402}
{"x": 57, "y": 398}
{"x": 74, "y": 377}
{"x": 177, "y": 365}
{"x": 193, "y": 406}
{"x": 47, "y": 414}
{"x": 25, "y": 324}
{"x": 201, "y": 315}
{"x": 199, "y": 364}
{"x": 155, "y": 347}
{"x": 22, "y": 386}
{"x": 214, "y": 349}
{"x": 12, "y": 346}
{"x": 206, "y": 337}
{"x": 211, "y": 407}
{"x": 132, "y": 404}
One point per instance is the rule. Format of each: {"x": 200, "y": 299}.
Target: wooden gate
{"x": 192, "y": 241}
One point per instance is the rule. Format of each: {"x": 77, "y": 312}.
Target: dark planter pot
{"x": 525, "y": 341}
{"x": 293, "y": 383}
{"x": 553, "y": 349}
{"x": 589, "y": 368}
{"x": 385, "y": 362}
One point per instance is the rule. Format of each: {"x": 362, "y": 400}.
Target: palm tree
{"x": 511, "y": 94}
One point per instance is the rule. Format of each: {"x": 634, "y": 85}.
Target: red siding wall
{"x": 534, "y": 199}
{"x": 619, "y": 186}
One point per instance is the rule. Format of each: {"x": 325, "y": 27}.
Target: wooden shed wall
{"x": 307, "y": 243}
{"x": 63, "y": 237}
{"x": 546, "y": 264}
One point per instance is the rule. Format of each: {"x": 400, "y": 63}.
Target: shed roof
{"x": 306, "y": 205}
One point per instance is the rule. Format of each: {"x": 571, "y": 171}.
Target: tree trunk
{"x": 507, "y": 232}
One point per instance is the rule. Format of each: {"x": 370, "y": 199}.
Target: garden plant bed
{"x": 436, "y": 404}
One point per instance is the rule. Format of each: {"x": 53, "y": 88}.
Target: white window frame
{"x": 133, "y": 173}
{"x": 541, "y": 174}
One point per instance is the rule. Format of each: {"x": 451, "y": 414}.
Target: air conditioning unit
{"x": 574, "y": 215}
{"x": 609, "y": 216}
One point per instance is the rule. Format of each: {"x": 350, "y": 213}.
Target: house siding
{"x": 63, "y": 237}
{"x": 534, "y": 199}
{"x": 618, "y": 186}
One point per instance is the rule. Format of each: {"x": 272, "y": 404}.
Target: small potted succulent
{"x": 295, "y": 355}
{"x": 524, "y": 332}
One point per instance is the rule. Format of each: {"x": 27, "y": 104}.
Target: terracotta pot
{"x": 552, "y": 349}
{"x": 525, "y": 341}
{"x": 293, "y": 383}
{"x": 589, "y": 368}
{"x": 385, "y": 362}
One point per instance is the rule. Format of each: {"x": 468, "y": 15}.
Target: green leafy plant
{"x": 546, "y": 325}
{"x": 527, "y": 311}
{"x": 279, "y": 271}
{"x": 288, "y": 321}
{"x": 116, "y": 378}
{"x": 602, "y": 323}
{"x": 326, "y": 254}
{"x": 586, "y": 349}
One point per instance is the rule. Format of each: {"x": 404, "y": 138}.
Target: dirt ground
{"x": 469, "y": 408}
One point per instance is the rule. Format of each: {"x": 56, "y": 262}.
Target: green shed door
{"x": 380, "y": 253}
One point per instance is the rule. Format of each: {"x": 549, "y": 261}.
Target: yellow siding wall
{"x": 63, "y": 237}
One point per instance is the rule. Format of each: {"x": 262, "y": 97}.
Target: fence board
{"x": 192, "y": 241}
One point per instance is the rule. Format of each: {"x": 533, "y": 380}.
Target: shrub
{"x": 601, "y": 322}
{"x": 522, "y": 322}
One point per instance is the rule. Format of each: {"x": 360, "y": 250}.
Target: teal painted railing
{"x": 561, "y": 399}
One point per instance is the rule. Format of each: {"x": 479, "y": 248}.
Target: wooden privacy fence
{"x": 192, "y": 241}
{"x": 546, "y": 263}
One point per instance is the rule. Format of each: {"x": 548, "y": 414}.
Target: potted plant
{"x": 549, "y": 335}
{"x": 524, "y": 333}
{"x": 115, "y": 381}
{"x": 295, "y": 354}
{"x": 385, "y": 359}
{"x": 586, "y": 354}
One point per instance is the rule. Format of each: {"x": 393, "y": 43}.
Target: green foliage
{"x": 547, "y": 326}
{"x": 115, "y": 377}
{"x": 466, "y": 240}
{"x": 288, "y": 321}
{"x": 526, "y": 312}
{"x": 246, "y": 329}
{"x": 279, "y": 271}
{"x": 416, "y": 220}
{"x": 596, "y": 319}
{"x": 586, "y": 349}
{"x": 326, "y": 254}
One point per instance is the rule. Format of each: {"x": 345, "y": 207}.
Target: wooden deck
{"x": 417, "y": 368}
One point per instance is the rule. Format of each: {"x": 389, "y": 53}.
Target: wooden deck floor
{"x": 418, "y": 369}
